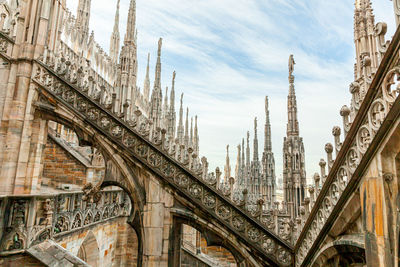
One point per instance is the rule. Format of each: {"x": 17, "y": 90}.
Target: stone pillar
{"x": 374, "y": 219}
{"x": 157, "y": 223}
{"x": 22, "y": 132}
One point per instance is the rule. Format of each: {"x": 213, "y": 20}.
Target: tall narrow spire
{"x": 131, "y": 24}
{"x": 128, "y": 63}
{"x": 191, "y": 133}
{"x": 267, "y": 130}
{"x": 156, "y": 95}
{"x": 293, "y": 124}
{"x": 365, "y": 41}
{"x": 180, "y": 124}
{"x": 238, "y": 164}
{"x": 157, "y": 79}
{"x": 114, "y": 42}
{"x": 146, "y": 86}
{"x": 243, "y": 161}
{"x": 248, "y": 151}
{"x": 187, "y": 128}
{"x": 227, "y": 166}
{"x": 165, "y": 110}
{"x": 82, "y": 20}
{"x": 255, "y": 145}
{"x": 196, "y": 137}
{"x": 172, "y": 114}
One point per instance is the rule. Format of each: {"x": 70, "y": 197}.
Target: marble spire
{"x": 156, "y": 95}
{"x": 172, "y": 114}
{"x": 227, "y": 168}
{"x": 186, "y": 140}
{"x": 267, "y": 130}
{"x": 191, "y": 133}
{"x": 130, "y": 36}
{"x": 196, "y": 137}
{"x": 255, "y": 145}
{"x": 293, "y": 124}
{"x": 83, "y": 19}
{"x": 180, "y": 129}
{"x": 115, "y": 38}
{"x": 146, "y": 86}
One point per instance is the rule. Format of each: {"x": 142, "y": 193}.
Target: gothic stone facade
{"x": 96, "y": 171}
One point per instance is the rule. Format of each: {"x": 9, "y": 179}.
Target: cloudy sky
{"x": 229, "y": 54}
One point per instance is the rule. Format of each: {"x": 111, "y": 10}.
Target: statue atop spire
{"x": 294, "y": 180}
{"x": 291, "y": 65}
{"x": 293, "y": 124}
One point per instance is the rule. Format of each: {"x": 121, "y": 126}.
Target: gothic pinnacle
{"x": 146, "y": 86}
{"x": 157, "y": 80}
{"x": 196, "y": 136}
{"x": 187, "y": 128}
{"x": 180, "y": 124}
{"x": 227, "y": 166}
{"x": 191, "y": 133}
{"x": 114, "y": 42}
{"x": 131, "y": 23}
{"x": 255, "y": 145}
{"x": 293, "y": 124}
{"x": 248, "y": 150}
{"x": 267, "y": 130}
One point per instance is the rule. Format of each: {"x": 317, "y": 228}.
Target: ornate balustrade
{"x": 177, "y": 165}
{"x": 372, "y": 119}
{"x": 27, "y": 220}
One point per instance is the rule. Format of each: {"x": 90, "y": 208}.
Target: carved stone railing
{"x": 354, "y": 153}
{"x": 142, "y": 142}
{"x": 27, "y": 220}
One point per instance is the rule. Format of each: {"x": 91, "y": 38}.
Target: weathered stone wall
{"x": 116, "y": 242}
{"x": 60, "y": 167}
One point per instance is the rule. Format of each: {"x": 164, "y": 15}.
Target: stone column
{"x": 374, "y": 219}
{"x": 157, "y": 223}
{"x": 22, "y": 132}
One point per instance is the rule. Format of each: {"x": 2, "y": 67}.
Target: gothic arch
{"x": 89, "y": 250}
{"x": 119, "y": 172}
{"x": 348, "y": 250}
{"x": 213, "y": 235}
{"x": 126, "y": 179}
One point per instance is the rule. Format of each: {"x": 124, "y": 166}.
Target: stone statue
{"x": 291, "y": 65}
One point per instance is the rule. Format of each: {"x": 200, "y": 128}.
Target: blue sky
{"x": 229, "y": 54}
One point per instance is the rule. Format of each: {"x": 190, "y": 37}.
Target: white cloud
{"x": 229, "y": 54}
